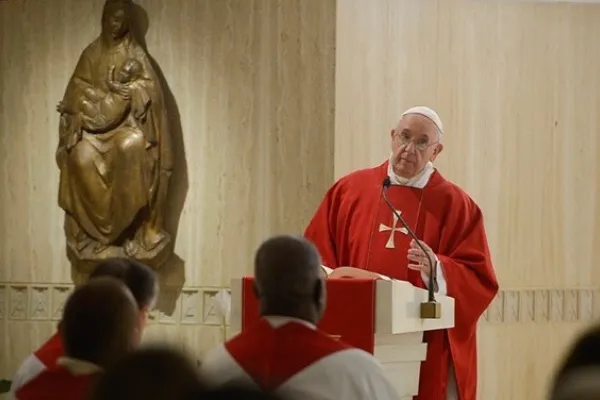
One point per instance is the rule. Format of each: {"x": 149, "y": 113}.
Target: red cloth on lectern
{"x": 350, "y": 311}
{"x": 354, "y": 227}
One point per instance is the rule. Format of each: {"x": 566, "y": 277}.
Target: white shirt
{"x": 29, "y": 369}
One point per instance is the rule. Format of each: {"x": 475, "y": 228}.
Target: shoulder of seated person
{"x": 353, "y": 357}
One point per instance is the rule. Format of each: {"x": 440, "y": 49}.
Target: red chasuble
{"x": 354, "y": 227}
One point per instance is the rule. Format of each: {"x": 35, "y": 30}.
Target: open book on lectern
{"x": 383, "y": 277}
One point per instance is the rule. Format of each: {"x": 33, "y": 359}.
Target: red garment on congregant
{"x": 57, "y": 383}
{"x": 51, "y": 351}
{"x": 273, "y": 355}
{"x": 354, "y": 227}
{"x": 43, "y": 358}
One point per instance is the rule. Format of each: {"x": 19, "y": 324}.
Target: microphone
{"x": 431, "y": 309}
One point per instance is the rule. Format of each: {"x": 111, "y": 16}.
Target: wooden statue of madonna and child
{"x": 114, "y": 151}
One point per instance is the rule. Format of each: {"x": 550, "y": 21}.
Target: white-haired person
{"x": 358, "y": 235}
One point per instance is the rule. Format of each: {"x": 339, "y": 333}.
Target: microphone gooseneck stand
{"x": 430, "y": 309}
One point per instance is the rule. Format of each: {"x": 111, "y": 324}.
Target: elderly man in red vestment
{"x": 358, "y": 236}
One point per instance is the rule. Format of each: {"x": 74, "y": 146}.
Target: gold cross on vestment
{"x": 393, "y": 229}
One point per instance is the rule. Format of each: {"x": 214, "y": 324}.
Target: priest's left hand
{"x": 418, "y": 259}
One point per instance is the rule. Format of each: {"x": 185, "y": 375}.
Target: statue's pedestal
{"x": 86, "y": 259}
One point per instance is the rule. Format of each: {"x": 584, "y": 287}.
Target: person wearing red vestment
{"x": 141, "y": 281}
{"x": 358, "y": 235}
{"x": 100, "y": 325}
{"x": 284, "y": 353}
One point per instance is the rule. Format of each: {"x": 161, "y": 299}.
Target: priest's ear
{"x": 320, "y": 296}
{"x": 436, "y": 151}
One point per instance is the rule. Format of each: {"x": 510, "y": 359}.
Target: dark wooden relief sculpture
{"x": 114, "y": 151}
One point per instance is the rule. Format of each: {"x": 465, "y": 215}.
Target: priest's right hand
{"x": 351, "y": 272}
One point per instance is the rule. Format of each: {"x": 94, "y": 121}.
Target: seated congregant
{"x": 285, "y": 353}
{"x": 578, "y": 376}
{"x": 153, "y": 373}
{"x": 141, "y": 281}
{"x": 234, "y": 393}
{"x": 580, "y": 384}
{"x": 100, "y": 325}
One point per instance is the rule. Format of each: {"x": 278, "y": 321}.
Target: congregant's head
{"x": 416, "y": 140}
{"x": 579, "y": 372}
{"x": 578, "y": 384}
{"x": 99, "y": 322}
{"x": 288, "y": 279}
{"x": 139, "y": 278}
{"x": 153, "y": 373}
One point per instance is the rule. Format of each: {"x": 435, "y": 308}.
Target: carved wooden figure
{"x": 114, "y": 150}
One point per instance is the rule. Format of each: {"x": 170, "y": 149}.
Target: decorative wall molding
{"x": 544, "y": 305}
{"x": 45, "y": 302}
{"x": 195, "y": 305}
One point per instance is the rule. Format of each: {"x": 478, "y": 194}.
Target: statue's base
{"x": 88, "y": 258}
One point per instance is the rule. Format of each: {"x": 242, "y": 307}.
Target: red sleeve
{"x": 321, "y": 229}
{"x": 466, "y": 262}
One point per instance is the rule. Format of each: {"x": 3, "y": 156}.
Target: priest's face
{"x": 415, "y": 141}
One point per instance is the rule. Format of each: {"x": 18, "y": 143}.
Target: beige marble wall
{"x": 253, "y": 81}
{"x": 253, "y": 85}
{"x": 516, "y": 84}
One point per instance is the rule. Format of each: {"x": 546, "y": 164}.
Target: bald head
{"x": 99, "y": 322}
{"x": 288, "y": 278}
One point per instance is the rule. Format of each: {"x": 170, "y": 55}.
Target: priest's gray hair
{"x": 431, "y": 115}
